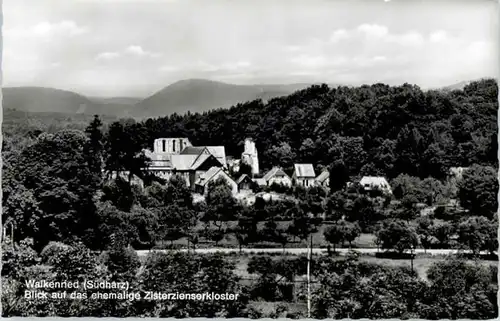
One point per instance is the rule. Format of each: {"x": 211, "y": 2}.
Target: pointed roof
{"x": 323, "y": 176}
{"x": 375, "y": 181}
{"x": 210, "y": 174}
{"x": 192, "y": 150}
{"x": 275, "y": 171}
{"x": 304, "y": 171}
{"x": 182, "y": 162}
{"x": 219, "y": 152}
{"x": 242, "y": 178}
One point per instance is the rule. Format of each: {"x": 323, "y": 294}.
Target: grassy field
{"x": 363, "y": 241}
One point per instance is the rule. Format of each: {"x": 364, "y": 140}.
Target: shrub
{"x": 51, "y": 249}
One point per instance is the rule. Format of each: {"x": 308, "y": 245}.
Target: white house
{"x": 213, "y": 174}
{"x": 370, "y": 183}
{"x": 304, "y": 175}
{"x": 277, "y": 176}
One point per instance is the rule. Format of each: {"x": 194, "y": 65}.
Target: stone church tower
{"x": 249, "y": 155}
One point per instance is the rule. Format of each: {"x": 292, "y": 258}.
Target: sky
{"x": 136, "y": 47}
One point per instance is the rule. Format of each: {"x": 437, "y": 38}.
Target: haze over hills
{"x": 117, "y": 100}
{"x": 195, "y": 95}
{"x": 199, "y": 95}
{"x": 40, "y": 99}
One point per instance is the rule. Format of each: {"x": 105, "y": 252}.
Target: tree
{"x": 122, "y": 262}
{"x": 459, "y": 290}
{"x": 478, "y": 190}
{"x": 246, "y": 231}
{"x": 281, "y": 154}
{"x": 339, "y": 175}
{"x": 177, "y": 192}
{"x": 334, "y": 206}
{"x": 424, "y": 228}
{"x": 54, "y": 169}
{"x": 477, "y": 234}
{"x": 186, "y": 273}
{"x": 221, "y": 207}
{"x": 303, "y": 225}
{"x": 351, "y": 232}
{"x": 397, "y": 235}
{"x": 442, "y": 232}
{"x": 124, "y": 149}
{"x": 362, "y": 211}
{"x": 119, "y": 193}
{"x": 307, "y": 150}
{"x": 95, "y": 147}
{"x": 334, "y": 234}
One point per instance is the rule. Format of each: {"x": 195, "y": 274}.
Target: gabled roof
{"x": 304, "y": 171}
{"x": 375, "y": 181}
{"x": 183, "y": 162}
{"x": 202, "y": 158}
{"x": 218, "y": 151}
{"x": 242, "y": 178}
{"x": 275, "y": 171}
{"x": 192, "y": 150}
{"x": 323, "y": 176}
{"x": 259, "y": 181}
{"x": 209, "y": 175}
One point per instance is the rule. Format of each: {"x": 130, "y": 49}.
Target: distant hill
{"x": 199, "y": 95}
{"x": 40, "y": 99}
{"x": 458, "y": 86}
{"x": 462, "y": 84}
{"x": 117, "y": 100}
{"x": 195, "y": 95}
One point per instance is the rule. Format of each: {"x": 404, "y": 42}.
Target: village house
{"x": 375, "y": 183}
{"x": 275, "y": 176}
{"x": 245, "y": 184}
{"x": 212, "y": 175}
{"x": 176, "y": 156}
{"x": 323, "y": 179}
{"x": 304, "y": 175}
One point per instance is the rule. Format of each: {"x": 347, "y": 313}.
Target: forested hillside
{"x": 375, "y": 129}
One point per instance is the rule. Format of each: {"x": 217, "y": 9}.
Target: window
{"x": 180, "y": 143}
{"x": 173, "y": 146}
{"x": 163, "y": 143}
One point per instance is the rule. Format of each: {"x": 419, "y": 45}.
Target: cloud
{"x": 373, "y": 30}
{"x": 205, "y": 67}
{"x": 338, "y": 35}
{"x": 138, "y": 51}
{"x": 168, "y": 68}
{"x": 438, "y": 36}
{"x": 235, "y": 65}
{"x": 310, "y": 61}
{"x": 411, "y": 38}
{"x": 65, "y": 28}
{"x": 133, "y": 50}
{"x": 45, "y": 29}
{"x": 107, "y": 56}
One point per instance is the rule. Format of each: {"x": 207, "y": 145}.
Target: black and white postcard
{"x": 322, "y": 159}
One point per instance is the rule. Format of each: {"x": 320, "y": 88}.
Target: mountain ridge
{"x": 194, "y": 95}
